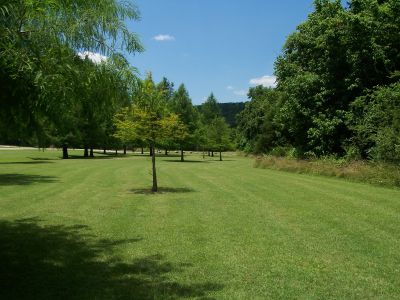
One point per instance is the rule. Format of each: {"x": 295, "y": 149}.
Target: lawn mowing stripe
{"x": 256, "y": 233}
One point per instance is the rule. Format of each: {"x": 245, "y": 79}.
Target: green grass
{"x": 89, "y": 229}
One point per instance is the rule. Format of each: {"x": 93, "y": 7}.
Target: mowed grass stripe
{"x": 218, "y": 229}
{"x": 320, "y": 204}
{"x": 314, "y": 188}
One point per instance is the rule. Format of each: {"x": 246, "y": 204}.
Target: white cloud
{"x": 94, "y": 57}
{"x": 235, "y": 91}
{"x": 240, "y": 92}
{"x": 164, "y": 38}
{"x": 267, "y": 81}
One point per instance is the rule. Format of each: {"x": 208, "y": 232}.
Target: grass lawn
{"x": 89, "y": 229}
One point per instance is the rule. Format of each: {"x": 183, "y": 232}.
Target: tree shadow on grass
{"x": 66, "y": 262}
{"x": 102, "y": 156}
{"x": 37, "y": 162}
{"x": 161, "y": 190}
{"x": 187, "y": 161}
{"x": 172, "y": 155}
{"x": 43, "y": 158}
{"x": 25, "y": 179}
{"x": 34, "y": 161}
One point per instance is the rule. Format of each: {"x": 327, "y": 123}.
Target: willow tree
{"x": 39, "y": 42}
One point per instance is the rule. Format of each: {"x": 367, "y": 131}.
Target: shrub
{"x": 279, "y": 151}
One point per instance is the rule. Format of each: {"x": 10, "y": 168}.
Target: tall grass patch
{"x": 363, "y": 171}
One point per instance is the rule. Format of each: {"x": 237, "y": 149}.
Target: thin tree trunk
{"x": 182, "y": 158}
{"x": 212, "y": 153}
{"x": 166, "y": 151}
{"x": 153, "y": 161}
{"x": 86, "y": 152}
{"x": 116, "y": 151}
{"x": 151, "y": 150}
{"x": 65, "y": 152}
{"x": 124, "y": 149}
{"x": 91, "y": 152}
{"x": 104, "y": 150}
{"x": 208, "y": 153}
{"x": 142, "y": 150}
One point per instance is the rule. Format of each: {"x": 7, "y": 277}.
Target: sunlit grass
{"x": 90, "y": 229}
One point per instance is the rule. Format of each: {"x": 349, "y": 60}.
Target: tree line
{"x": 338, "y": 88}
{"x": 160, "y": 117}
{"x": 164, "y": 118}
{"x": 53, "y": 93}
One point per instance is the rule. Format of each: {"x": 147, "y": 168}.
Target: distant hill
{"x": 230, "y": 110}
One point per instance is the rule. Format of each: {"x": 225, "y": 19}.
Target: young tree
{"x": 210, "y": 109}
{"x": 200, "y": 137}
{"x": 209, "y": 112}
{"x": 219, "y": 134}
{"x": 258, "y": 129}
{"x": 167, "y": 88}
{"x": 181, "y": 104}
{"x": 149, "y": 119}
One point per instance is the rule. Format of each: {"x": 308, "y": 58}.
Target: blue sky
{"x": 219, "y": 46}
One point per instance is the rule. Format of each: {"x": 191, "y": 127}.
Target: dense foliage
{"x": 337, "y": 76}
{"x": 52, "y": 94}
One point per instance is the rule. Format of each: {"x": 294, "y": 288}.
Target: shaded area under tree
{"x": 25, "y": 179}
{"x": 66, "y": 262}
